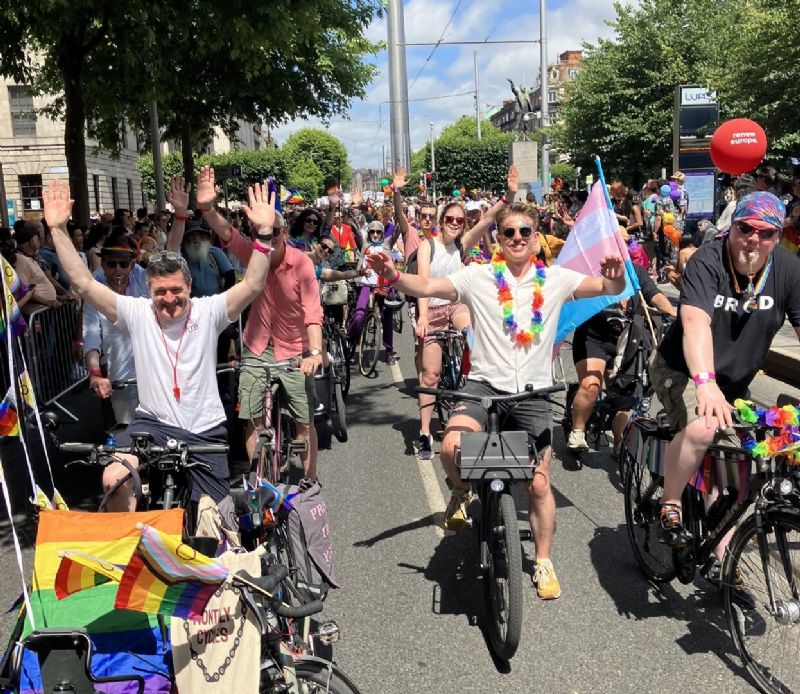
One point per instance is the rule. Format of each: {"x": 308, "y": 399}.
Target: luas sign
{"x": 697, "y": 96}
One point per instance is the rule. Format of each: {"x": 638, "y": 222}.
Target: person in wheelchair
{"x": 513, "y": 346}
{"x": 735, "y": 295}
{"x": 595, "y": 347}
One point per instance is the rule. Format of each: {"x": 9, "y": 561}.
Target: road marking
{"x": 433, "y": 493}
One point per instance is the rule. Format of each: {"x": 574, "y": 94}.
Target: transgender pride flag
{"x": 594, "y": 236}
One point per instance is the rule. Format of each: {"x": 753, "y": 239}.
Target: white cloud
{"x": 450, "y": 70}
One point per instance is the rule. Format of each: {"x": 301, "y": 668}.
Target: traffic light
{"x": 428, "y": 180}
{"x": 434, "y": 176}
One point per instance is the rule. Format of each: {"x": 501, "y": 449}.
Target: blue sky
{"x": 450, "y": 71}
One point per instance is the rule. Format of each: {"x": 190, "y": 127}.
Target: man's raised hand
{"x": 513, "y": 178}
{"x": 612, "y": 267}
{"x": 261, "y": 210}
{"x": 178, "y": 195}
{"x": 381, "y": 263}
{"x": 57, "y": 204}
{"x": 206, "y": 187}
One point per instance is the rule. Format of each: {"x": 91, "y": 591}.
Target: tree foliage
{"x": 323, "y": 149}
{"x": 307, "y": 177}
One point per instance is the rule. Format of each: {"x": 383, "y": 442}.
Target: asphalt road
{"x": 410, "y": 605}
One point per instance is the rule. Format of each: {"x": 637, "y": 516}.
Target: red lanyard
{"x": 176, "y": 391}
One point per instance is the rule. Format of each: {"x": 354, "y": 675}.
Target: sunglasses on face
{"x": 763, "y": 234}
{"x": 427, "y": 215}
{"x": 316, "y": 221}
{"x": 449, "y": 219}
{"x": 524, "y": 232}
{"x": 326, "y": 248}
{"x": 114, "y": 264}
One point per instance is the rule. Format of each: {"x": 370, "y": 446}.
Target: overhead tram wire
{"x": 441, "y": 38}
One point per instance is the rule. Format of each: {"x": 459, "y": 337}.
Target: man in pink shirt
{"x": 284, "y": 322}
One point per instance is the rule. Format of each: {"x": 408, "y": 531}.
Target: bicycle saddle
{"x": 252, "y": 500}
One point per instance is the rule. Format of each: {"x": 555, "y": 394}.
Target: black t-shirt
{"x": 741, "y": 337}
{"x": 602, "y": 328}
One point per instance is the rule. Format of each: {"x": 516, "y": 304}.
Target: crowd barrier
{"x": 48, "y": 343}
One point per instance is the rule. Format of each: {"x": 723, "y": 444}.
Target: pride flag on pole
{"x": 78, "y": 571}
{"x": 594, "y": 236}
{"x": 166, "y": 576}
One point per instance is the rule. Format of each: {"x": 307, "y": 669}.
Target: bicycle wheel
{"x": 767, "y": 639}
{"x": 339, "y": 417}
{"x": 341, "y": 363}
{"x": 643, "y": 490}
{"x": 369, "y": 344}
{"x": 444, "y": 405}
{"x": 503, "y": 580}
{"x": 313, "y": 676}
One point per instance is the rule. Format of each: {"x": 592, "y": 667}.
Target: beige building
{"x": 32, "y": 155}
{"x": 559, "y": 74}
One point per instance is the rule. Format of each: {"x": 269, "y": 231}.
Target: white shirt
{"x": 494, "y": 359}
{"x": 101, "y": 334}
{"x": 199, "y": 407}
{"x": 444, "y": 262}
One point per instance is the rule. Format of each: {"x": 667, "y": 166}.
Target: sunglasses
{"x": 326, "y": 248}
{"x": 524, "y": 232}
{"x": 316, "y": 221}
{"x": 167, "y": 255}
{"x": 114, "y": 264}
{"x": 449, "y": 219}
{"x": 427, "y": 215}
{"x": 764, "y": 234}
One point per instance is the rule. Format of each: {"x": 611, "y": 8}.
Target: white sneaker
{"x": 577, "y": 441}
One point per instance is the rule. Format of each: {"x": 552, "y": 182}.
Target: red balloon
{"x": 738, "y": 146}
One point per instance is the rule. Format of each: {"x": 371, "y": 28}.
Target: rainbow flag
{"x": 124, "y": 642}
{"x": 79, "y": 571}
{"x": 9, "y": 418}
{"x": 166, "y": 576}
{"x": 12, "y": 288}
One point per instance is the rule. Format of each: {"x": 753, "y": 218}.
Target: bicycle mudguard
{"x": 503, "y": 456}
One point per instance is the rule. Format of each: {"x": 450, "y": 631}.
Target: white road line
{"x": 430, "y": 483}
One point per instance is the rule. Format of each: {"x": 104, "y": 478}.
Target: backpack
{"x": 310, "y": 543}
{"x": 411, "y": 261}
{"x": 624, "y": 379}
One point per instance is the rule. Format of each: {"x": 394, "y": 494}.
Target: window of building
{"x": 114, "y": 192}
{"x": 96, "y": 185}
{"x": 30, "y": 188}
{"x": 554, "y": 74}
{"x": 23, "y": 117}
{"x": 131, "y": 206}
{"x": 573, "y": 73}
{"x": 552, "y": 96}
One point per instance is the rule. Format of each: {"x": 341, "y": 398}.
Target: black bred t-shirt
{"x": 742, "y": 336}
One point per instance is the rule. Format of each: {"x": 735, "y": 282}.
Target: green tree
{"x": 307, "y": 177}
{"x": 466, "y": 130}
{"x": 475, "y": 164}
{"x": 326, "y": 151}
{"x": 564, "y": 171}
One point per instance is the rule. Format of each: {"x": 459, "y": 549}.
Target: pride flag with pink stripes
{"x": 594, "y": 236}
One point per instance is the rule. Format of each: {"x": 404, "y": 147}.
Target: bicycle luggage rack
{"x": 503, "y": 456}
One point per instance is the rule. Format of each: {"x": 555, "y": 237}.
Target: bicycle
{"x": 759, "y": 578}
{"x": 337, "y": 347}
{"x": 492, "y": 462}
{"x": 369, "y": 340}
{"x": 275, "y": 445}
{"x": 453, "y": 377}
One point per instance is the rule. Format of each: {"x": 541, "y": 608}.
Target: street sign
{"x": 223, "y": 172}
{"x": 12, "y": 212}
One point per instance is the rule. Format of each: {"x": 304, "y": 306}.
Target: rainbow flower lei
{"x": 786, "y": 418}
{"x": 530, "y": 335}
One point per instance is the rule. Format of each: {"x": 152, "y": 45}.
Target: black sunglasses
{"x": 114, "y": 264}
{"x": 326, "y": 248}
{"x": 765, "y": 234}
{"x": 427, "y": 215}
{"x": 312, "y": 220}
{"x": 524, "y": 232}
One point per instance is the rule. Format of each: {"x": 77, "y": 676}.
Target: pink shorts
{"x": 441, "y": 318}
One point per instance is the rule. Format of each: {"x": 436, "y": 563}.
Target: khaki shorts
{"x": 677, "y": 394}
{"x": 299, "y": 392}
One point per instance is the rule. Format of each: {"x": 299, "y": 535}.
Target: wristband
{"x": 504, "y": 200}
{"x": 264, "y": 250}
{"x": 205, "y": 209}
{"x": 180, "y": 217}
{"x": 704, "y": 377}
{"x": 395, "y": 279}
{"x": 96, "y": 372}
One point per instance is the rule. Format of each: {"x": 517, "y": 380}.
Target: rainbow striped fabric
{"x": 124, "y": 642}
{"x": 79, "y": 571}
{"x": 9, "y": 418}
{"x": 166, "y": 576}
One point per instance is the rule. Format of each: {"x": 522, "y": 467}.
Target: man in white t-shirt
{"x": 174, "y": 342}
{"x": 505, "y": 359}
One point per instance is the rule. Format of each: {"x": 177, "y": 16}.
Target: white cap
{"x": 472, "y": 206}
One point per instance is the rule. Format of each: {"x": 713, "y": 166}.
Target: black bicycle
{"x": 492, "y": 462}
{"x": 453, "y": 377}
{"x": 760, "y": 575}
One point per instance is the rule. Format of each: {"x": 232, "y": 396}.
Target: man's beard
{"x": 748, "y": 259}
{"x": 198, "y": 252}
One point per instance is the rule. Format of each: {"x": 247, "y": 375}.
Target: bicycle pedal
{"x": 525, "y": 534}
{"x": 298, "y": 446}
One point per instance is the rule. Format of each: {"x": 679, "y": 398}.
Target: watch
{"x": 264, "y": 237}
{"x": 315, "y": 352}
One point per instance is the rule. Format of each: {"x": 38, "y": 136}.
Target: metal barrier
{"x": 48, "y": 351}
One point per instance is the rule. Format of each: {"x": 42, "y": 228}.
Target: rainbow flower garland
{"x": 786, "y": 418}
{"x": 530, "y": 335}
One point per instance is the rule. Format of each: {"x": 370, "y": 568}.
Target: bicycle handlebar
{"x": 285, "y": 365}
{"x": 486, "y": 400}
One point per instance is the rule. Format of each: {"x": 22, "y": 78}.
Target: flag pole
{"x": 602, "y": 178}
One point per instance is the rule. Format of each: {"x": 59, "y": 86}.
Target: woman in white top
{"x": 440, "y": 258}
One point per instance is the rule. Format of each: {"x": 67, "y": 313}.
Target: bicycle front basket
{"x": 495, "y": 456}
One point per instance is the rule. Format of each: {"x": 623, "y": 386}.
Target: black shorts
{"x": 589, "y": 345}
{"x": 533, "y": 416}
{"x": 214, "y": 483}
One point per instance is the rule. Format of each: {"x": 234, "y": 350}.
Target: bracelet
{"x": 205, "y": 209}
{"x": 96, "y": 372}
{"x": 180, "y": 217}
{"x": 393, "y": 188}
{"x": 504, "y": 200}
{"x": 396, "y": 278}
{"x": 704, "y": 377}
{"x": 264, "y": 250}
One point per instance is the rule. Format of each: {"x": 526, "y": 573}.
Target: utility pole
{"x": 477, "y": 95}
{"x": 398, "y": 88}
{"x": 155, "y": 144}
{"x": 543, "y": 94}
{"x": 433, "y": 167}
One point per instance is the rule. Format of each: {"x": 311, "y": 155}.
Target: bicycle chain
{"x": 237, "y": 640}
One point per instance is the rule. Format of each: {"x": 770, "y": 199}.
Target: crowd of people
{"x": 167, "y": 291}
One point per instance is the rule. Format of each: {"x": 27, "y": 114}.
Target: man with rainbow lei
{"x": 515, "y": 302}
{"x": 735, "y": 295}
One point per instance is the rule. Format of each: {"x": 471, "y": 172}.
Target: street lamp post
{"x": 398, "y": 88}
{"x": 433, "y": 167}
{"x": 543, "y": 93}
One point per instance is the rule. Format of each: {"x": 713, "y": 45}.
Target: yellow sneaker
{"x": 544, "y": 576}
{"x": 456, "y": 514}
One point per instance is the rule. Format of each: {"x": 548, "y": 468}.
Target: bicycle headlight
{"x": 785, "y": 487}
{"x": 497, "y": 486}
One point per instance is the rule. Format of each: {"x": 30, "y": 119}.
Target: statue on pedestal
{"x": 522, "y": 108}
